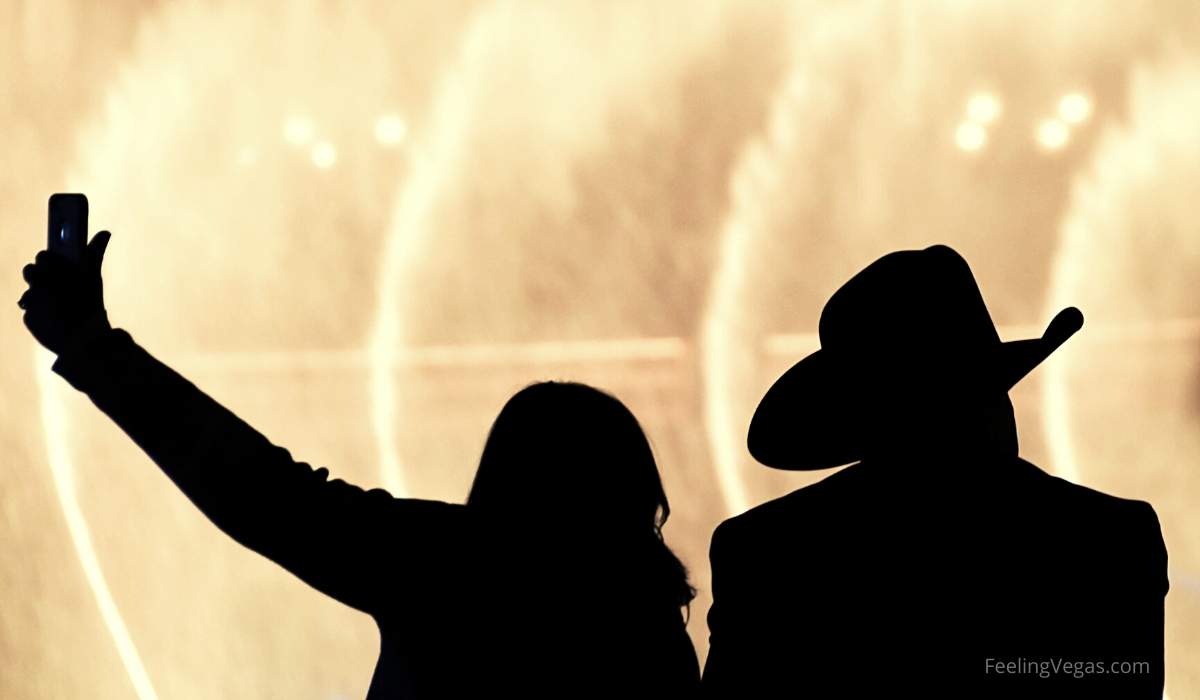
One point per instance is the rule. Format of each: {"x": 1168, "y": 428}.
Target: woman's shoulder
{"x": 419, "y": 507}
{"x": 428, "y": 528}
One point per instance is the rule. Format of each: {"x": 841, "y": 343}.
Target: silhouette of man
{"x": 939, "y": 563}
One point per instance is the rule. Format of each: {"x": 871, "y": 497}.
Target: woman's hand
{"x": 65, "y": 300}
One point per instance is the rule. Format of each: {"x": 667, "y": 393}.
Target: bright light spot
{"x": 983, "y": 108}
{"x": 970, "y": 136}
{"x": 298, "y": 131}
{"x": 1074, "y": 108}
{"x": 324, "y": 155}
{"x": 1052, "y": 134}
{"x": 390, "y": 130}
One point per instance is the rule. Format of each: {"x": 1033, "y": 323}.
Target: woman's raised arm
{"x": 352, "y": 544}
{"x": 349, "y": 543}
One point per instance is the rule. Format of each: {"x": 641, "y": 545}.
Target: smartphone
{"x": 68, "y": 226}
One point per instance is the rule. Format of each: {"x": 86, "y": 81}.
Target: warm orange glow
{"x": 363, "y": 226}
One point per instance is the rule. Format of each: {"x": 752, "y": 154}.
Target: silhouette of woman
{"x": 568, "y": 471}
{"x": 552, "y": 581}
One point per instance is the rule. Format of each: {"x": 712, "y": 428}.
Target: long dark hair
{"x": 578, "y": 450}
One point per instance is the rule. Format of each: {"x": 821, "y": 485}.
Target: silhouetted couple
{"x": 934, "y": 564}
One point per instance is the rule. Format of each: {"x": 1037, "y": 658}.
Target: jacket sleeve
{"x": 723, "y": 668}
{"x": 1146, "y": 619}
{"x": 331, "y": 534}
{"x": 1127, "y": 610}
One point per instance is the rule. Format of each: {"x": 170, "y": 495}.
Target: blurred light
{"x": 390, "y": 130}
{"x": 324, "y": 155}
{"x": 1074, "y": 108}
{"x": 57, "y": 428}
{"x": 1052, "y": 134}
{"x": 298, "y": 131}
{"x": 983, "y": 108}
{"x": 781, "y": 130}
{"x": 970, "y": 136}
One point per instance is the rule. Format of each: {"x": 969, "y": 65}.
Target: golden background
{"x": 362, "y": 226}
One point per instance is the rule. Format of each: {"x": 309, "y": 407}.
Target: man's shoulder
{"x": 1022, "y": 480}
{"x": 1124, "y": 532}
{"x": 1085, "y": 500}
{"x": 803, "y": 503}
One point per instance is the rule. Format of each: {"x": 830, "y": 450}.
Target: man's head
{"x": 909, "y": 358}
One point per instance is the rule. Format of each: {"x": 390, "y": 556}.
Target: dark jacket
{"x": 986, "y": 578}
{"x": 465, "y": 608}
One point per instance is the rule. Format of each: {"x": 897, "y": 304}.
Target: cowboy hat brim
{"x": 806, "y": 419}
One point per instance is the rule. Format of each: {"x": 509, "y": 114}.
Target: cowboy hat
{"x": 912, "y": 320}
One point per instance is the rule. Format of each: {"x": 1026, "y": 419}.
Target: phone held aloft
{"x": 67, "y": 233}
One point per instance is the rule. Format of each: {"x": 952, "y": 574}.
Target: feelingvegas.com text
{"x": 1058, "y": 666}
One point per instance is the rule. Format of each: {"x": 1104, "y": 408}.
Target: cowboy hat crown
{"x": 911, "y": 319}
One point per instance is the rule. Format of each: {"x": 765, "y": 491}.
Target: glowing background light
{"x": 983, "y": 108}
{"x": 656, "y": 198}
{"x": 970, "y": 136}
{"x": 1074, "y": 108}
{"x": 298, "y": 131}
{"x": 390, "y": 130}
{"x": 324, "y": 155}
{"x": 1052, "y": 134}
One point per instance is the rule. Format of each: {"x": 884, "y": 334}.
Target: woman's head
{"x": 569, "y": 453}
{"x": 573, "y": 461}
